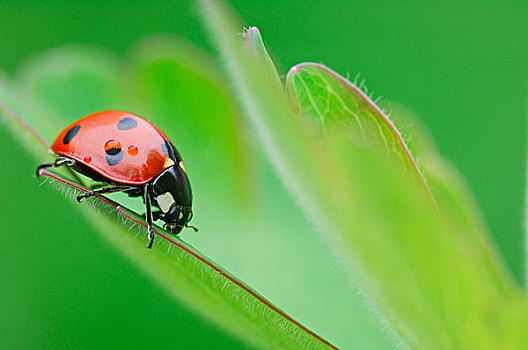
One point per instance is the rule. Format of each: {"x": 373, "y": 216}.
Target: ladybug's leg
{"x": 104, "y": 190}
{"x": 44, "y": 166}
{"x": 148, "y": 215}
{"x": 157, "y": 215}
{"x": 58, "y": 162}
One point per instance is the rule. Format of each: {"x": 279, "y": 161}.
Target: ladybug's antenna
{"x": 193, "y": 227}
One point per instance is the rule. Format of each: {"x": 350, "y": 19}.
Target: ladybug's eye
{"x": 112, "y": 147}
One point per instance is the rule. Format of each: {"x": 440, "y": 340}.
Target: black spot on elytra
{"x": 70, "y": 134}
{"x": 113, "y": 156}
{"x": 170, "y": 151}
{"x": 127, "y": 124}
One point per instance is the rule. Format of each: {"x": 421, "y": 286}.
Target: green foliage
{"x": 328, "y": 100}
{"x": 438, "y": 283}
{"x": 255, "y": 45}
{"x": 419, "y": 250}
{"x": 64, "y": 85}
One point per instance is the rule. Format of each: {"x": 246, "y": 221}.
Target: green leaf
{"x": 328, "y": 99}
{"x": 430, "y": 278}
{"x": 325, "y": 99}
{"x": 451, "y": 192}
{"x": 179, "y": 86}
{"x": 204, "y": 286}
{"x": 256, "y": 46}
{"x": 434, "y": 283}
{"x": 266, "y": 106}
{"x": 184, "y": 272}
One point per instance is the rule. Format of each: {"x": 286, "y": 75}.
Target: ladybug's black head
{"x": 176, "y": 218}
{"x": 170, "y": 191}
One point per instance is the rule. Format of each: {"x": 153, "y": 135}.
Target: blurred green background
{"x": 460, "y": 66}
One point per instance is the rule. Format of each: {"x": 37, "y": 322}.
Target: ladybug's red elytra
{"x": 133, "y": 156}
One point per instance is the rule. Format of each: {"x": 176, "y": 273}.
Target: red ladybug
{"x": 133, "y": 156}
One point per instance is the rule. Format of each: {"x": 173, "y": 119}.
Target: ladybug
{"x": 133, "y": 156}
